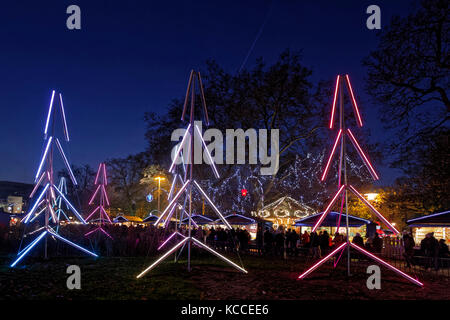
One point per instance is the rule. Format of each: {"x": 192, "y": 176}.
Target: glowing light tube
{"x": 30, "y": 233}
{"x": 37, "y": 214}
{"x": 90, "y": 232}
{"x": 71, "y": 206}
{"x": 98, "y": 173}
{"x": 201, "y": 244}
{"x": 30, "y": 246}
{"x": 63, "y": 114}
{"x": 179, "y": 244}
{"x": 172, "y": 187}
{"x": 179, "y": 149}
{"x": 379, "y": 215}
{"x": 322, "y": 261}
{"x": 54, "y": 218}
{"x": 90, "y": 215}
{"x": 103, "y": 230}
{"x": 172, "y": 202}
{"x": 337, "y": 260}
{"x": 168, "y": 239}
{"x": 72, "y": 177}
{"x": 355, "y": 106}
{"x": 333, "y": 109}
{"x": 49, "y": 113}
{"x": 106, "y": 214}
{"x": 387, "y": 265}
{"x": 95, "y": 193}
{"x": 216, "y": 173}
{"x": 169, "y": 216}
{"x": 362, "y": 155}
{"x": 327, "y": 167}
{"x": 72, "y": 244}
{"x": 43, "y": 158}
{"x": 36, "y": 186}
{"x": 104, "y": 192}
{"x": 212, "y": 205}
{"x": 36, "y": 203}
{"x": 105, "y": 176}
{"x": 328, "y": 209}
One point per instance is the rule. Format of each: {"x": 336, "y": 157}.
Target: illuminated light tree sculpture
{"x": 47, "y": 196}
{"x": 344, "y": 187}
{"x": 101, "y": 180}
{"x": 186, "y": 146}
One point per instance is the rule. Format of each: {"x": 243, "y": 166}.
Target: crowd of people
{"x": 144, "y": 240}
{"x": 316, "y": 244}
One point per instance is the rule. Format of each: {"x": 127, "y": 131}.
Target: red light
{"x": 244, "y": 192}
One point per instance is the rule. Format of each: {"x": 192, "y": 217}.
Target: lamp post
{"x": 159, "y": 179}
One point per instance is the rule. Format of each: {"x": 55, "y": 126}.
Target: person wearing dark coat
{"x": 408, "y": 245}
{"x": 377, "y": 243}
{"x": 443, "y": 249}
{"x": 324, "y": 242}
{"x": 268, "y": 241}
{"x": 358, "y": 240}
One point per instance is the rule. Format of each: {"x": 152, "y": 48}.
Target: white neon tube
{"x": 216, "y": 173}
{"x": 212, "y": 205}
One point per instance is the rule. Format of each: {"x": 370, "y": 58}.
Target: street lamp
{"x": 159, "y": 179}
{"x": 371, "y": 196}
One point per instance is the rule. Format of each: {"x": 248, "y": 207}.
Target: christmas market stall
{"x": 439, "y": 223}
{"x": 199, "y": 220}
{"x": 284, "y": 211}
{"x": 151, "y": 218}
{"x": 333, "y": 221}
{"x": 128, "y": 220}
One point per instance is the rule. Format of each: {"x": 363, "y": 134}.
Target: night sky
{"x": 135, "y": 56}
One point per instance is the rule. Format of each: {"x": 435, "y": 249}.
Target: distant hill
{"x": 10, "y": 188}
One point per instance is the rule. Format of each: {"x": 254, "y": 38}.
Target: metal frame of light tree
{"x": 47, "y": 197}
{"x": 344, "y": 187}
{"x": 62, "y": 187}
{"x": 103, "y": 199}
{"x": 187, "y": 143}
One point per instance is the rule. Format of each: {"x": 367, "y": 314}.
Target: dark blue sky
{"x": 134, "y": 56}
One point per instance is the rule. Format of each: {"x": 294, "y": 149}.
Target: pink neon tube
{"x": 104, "y": 192}
{"x": 327, "y": 210}
{"x": 340, "y": 213}
{"x": 105, "y": 177}
{"x": 90, "y": 215}
{"x": 362, "y": 155}
{"x": 98, "y": 173}
{"x": 95, "y": 193}
{"x": 327, "y": 167}
{"x": 387, "y": 265}
{"x": 106, "y": 214}
{"x": 355, "y": 106}
{"x": 333, "y": 109}
{"x": 379, "y": 215}
{"x": 318, "y": 264}
{"x": 168, "y": 239}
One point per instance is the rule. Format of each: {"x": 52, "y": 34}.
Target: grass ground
{"x": 268, "y": 278}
